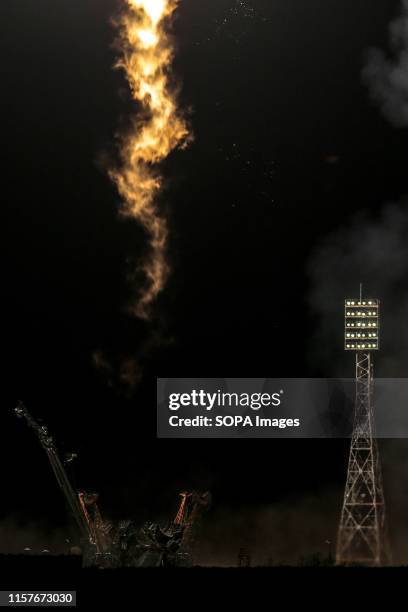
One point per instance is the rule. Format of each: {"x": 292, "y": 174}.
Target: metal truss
{"x": 362, "y": 536}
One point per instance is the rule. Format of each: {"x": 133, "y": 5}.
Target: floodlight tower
{"x": 362, "y": 534}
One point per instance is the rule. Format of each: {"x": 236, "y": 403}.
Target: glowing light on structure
{"x": 361, "y": 314}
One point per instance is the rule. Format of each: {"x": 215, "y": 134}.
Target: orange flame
{"x": 146, "y": 56}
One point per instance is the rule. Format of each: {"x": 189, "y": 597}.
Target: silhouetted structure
{"x": 362, "y": 534}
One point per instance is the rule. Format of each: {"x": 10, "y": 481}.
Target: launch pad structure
{"x": 107, "y": 545}
{"x": 192, "y": 505}
{"x": 362, "y": 536}
{"x": 93, "y": 531}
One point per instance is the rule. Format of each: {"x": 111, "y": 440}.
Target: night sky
{"x": 287, "y": 148}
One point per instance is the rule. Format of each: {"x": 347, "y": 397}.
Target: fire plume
{"x": 146, "y": 54}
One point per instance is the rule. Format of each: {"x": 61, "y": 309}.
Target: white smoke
{"x": 387, "y": 76}
{"x": 372, "y": 249}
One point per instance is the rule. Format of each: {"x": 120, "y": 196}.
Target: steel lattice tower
{"x": 362, "y": 531}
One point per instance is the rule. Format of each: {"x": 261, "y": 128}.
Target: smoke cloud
{"x": 303, "y": 529}
{"x": 394, "y": 459}
{"x": 21, "y": 538}
{"x": 387, "y": 77}
{"x": 372, "y": 250}
{"x": 285, "y": 533}
{"x": 124, "y": 372}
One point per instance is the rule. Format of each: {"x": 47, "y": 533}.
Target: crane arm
{"x": 47, "y": 442}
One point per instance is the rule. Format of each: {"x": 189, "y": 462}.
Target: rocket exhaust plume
{"x": 146, "y": 54}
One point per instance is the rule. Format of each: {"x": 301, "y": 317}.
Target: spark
{"x": 146, "y": 54}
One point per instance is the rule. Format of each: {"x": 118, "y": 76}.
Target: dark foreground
{"x": 206, "y": 585}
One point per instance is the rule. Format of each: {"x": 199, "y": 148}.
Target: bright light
{"x": 361, "y": 314}
{"x": 157, "y": 129}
